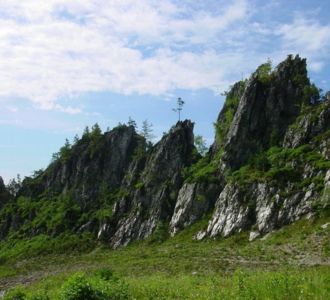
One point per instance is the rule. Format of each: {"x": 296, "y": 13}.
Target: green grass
{"x": 290, "y": 262}
{"x": 241, "y": 284}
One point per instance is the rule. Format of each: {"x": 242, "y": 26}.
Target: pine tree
{"x": 96, "y": 130}
{"x": 65, "y": 151}
{"x": 146, "y": 131}
{"x": 76, "y": 139}
{"x": 179, "y": 107}
{"x": 86, "y": 133}
{"x": 131, "y": 122}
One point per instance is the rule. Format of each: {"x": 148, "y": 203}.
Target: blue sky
{"x": 65, "y": 64}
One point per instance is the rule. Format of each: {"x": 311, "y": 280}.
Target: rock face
{"x": 278, "y": 110}
{"x": 193, "y": 202}
{"x": 268, "y": 167}
{"x": 259, "y": 207}
{"x": 309, "y": 126}
{"x": 266, "y": 109}
{"x": 152, "y": 201}
{"x": 91, "y": 163}
{"x": 325, "y": 201}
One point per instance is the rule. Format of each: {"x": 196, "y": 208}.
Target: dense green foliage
{"x": 44, "y": 215}
{"x": 281, "y": 166}
{"x": 264, "y": 72}
{"x": 204, "y": 170}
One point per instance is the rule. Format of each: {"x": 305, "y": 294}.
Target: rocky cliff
{"x": 113, "y": 185}
{"x": 273, "y": 154}
{"x": 151, "y": 188}
{"x": 268, "y": 166}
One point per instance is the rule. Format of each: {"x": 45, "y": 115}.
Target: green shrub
{"x": 105, "y": 273}
{"x": 283, "y": 174}
{"x": 311, "y": 94}
{"x": 283, "y": 165}
{"x": 203, "y": 170}
{"x": 40, "y": 296}
{"x": 103, "y": 213}
{"x": 15, "y": 294}
{"x": 200, "y": 198}
{"x": 246, "y": 175}
{"x": 260, "y": 161}
{"x": 139, "y": 185}
{"x": 78, "y": 288}
{"x": 264, "y": 72}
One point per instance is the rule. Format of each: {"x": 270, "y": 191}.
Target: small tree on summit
{"x": 131, "y": 122}
{"x": 14, "y": 185}
{"x": 96, "y": 130}
{"x": 65, "y": 151}
{"x": 178, "y": 109}
{"x": 86, "y": 133}
{"x": 146, "y": 131}
{"x": 264, "y": 72}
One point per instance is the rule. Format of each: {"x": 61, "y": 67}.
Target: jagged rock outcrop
{"x": 260, "y": 207}
{"x": 278, "y": 107}
{"x": 93, "y": 163}
{"x": 151, "y": 200}
{"x": 267, "y": 107}
{"x": 193, "y": 202}
{"x": 224, "y": 120}
{"x": 83, "y": 179}
{"x": 311, "y": 124}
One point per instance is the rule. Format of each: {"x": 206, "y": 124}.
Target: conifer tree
{"x": 146, "y": 131}
{"x": 179, "y": 107}
{"x": 96, "y": 130}
{"x": 131, "y": 122}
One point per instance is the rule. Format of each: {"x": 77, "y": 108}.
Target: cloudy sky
{"x": 65, "y": 64}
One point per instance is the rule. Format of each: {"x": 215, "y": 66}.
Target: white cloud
{"x": 308, "y": 37}
{"x": 56, "y": 48}
{"x": 68, "y": 109}
{"x": 12, "y": 109}
{"x": 307, "y": 34}
{"x": 60, "y": 49}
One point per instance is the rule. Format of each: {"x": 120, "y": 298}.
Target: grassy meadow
{"x": 291, "y": 263}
